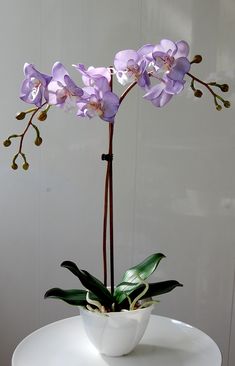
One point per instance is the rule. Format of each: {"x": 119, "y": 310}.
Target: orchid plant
{"x": 160, "y": 71}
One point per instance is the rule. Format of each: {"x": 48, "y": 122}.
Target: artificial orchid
{"x": 169, "y": 66}
{"x": 98, "y": 100}
{"x": 34, "y": 87}
{"x": 132, "y": 66}
{"x": 62, "y": 91}
{"x": 161, "y": 93}
{"x": 171, "y": 59}
{"x": 160, "y": 71}
{"x": 91, "y": 74}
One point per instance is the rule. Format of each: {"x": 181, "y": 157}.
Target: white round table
{"x": 167, "y": 342}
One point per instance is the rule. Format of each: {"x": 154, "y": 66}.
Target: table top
{"x": 167, "y": 342}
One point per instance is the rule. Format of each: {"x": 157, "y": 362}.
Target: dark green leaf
{"x": 155, "y": 289}
{"x": 134, "y": 275}
{"x": 72, "y": 297}
{"x": 91, "y": 283}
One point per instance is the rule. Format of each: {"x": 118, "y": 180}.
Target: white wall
{"x": 174, "y": 168}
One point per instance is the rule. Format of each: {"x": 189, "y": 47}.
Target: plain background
{"x": 174, "y": 168}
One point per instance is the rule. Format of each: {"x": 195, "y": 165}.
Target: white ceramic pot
{"x": 117, "y": 333}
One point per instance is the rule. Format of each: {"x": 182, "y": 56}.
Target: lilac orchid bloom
{"x": 170, "y": 64}
{"x": 33, "y": 88}
{"x": 98, "y": 100}
{"x": 90, "y": 75}
{"x": 162, "y": 93}
{"x": 132, "y": 65}
{"x": 171, "y": 58}
{"x": 62, "y": 90}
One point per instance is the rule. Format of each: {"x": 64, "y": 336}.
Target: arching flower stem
{"x": 209, "y": 85}
{"x": 108, "y": 201}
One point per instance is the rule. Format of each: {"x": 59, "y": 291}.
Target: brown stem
{"x": 203, "y": 83}
{"x": 108, "y": 197}
{"x": 108, "y": 200}
{"x": 124, "y": 94}
{"x": 127, "y": 91}
{"x": 105, "y": 226}
{"x": 27, "y": 127}
{"x": 111, "y": 130}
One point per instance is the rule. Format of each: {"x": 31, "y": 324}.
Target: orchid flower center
{"x": 64, "y": 93}
{"x": 134, "y": 70}
{"x": 35, "y": 82}
{"x": 95, "y": 107}
{"x": 168, "y": 62}
{"x": 35, "y": 87}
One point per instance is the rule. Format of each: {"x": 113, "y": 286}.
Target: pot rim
{"x": 117, "y": 313}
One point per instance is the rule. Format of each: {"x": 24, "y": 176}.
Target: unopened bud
{"x": 7, "y": 143}
{"x": 224, "y": 87}
{"x": 20, "y": 115}
{"x": 197, "y": 59}
{"x": 14, "y": 166}
{"x": 38, "y": 141}
{"x": 25, "y": 166}
{"x": 218, "y": 107}
{"x": 42, "y": 116}
{"x": 198, "y": 93}
{"x": 227, "y": 104}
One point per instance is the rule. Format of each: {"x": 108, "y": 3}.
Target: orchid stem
{"x": 108, "y": 201}
{"x": 194, "y": 78}
{"x": 111, "y": 130}
{"x": 105, "y": 227}
{"x": 27, "y": 127}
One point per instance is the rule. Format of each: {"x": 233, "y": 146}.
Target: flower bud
{"x": 198, "y": 93}
{"x": 7, "y": 143}
{"x": 224, "y": 87}
{"x": 20, "y": 115}
{"x": 227, "y": 104}
{"x": 38, "y": 141}
{"x": 14, "y": 166}
{"x": 218, "y": 107}
{"x": 42, "y": 116}
{"x": 25, "y": 166}
{"x": 197, "y": 59}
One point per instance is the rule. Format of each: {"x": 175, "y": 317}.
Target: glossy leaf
{"x": 72, "y": 297}
{"x": 137, "y": 273}
{"x": 155, "y": 289}
{"x": 91, "y": 283}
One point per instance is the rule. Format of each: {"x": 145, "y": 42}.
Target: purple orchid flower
{"x": 33, "y": 88}
{"x": 171, "y": 58}
{"x": 169, "y": 66}
{"x": 90, "y": 75}
{"x": 62, "y": 90}
{"x": 132, "y": 65}
{"x": 98, "y": 100}
{"x": 162, "y": 93}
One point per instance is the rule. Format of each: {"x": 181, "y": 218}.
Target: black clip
{"x": 107, "y": 157}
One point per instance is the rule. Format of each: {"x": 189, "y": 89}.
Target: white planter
{"x": 116, "y": 334}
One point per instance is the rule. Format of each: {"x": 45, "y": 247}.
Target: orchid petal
{"x": 72, "y": 87}
{"x": 146, "y": 51}
{"x": 122, "y": 57}
{"x": 59, "y": 72}
{"x": 166, "y": 46}
{"x": 181, "y": 67}
{"x": 182, "y": 49}
{"x": 174, "y": 87}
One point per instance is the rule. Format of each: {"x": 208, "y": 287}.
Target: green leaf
{"x": 72, "y": 297}
{"x": 137, "y": 273}
{"x": 91, "y": 283}
{"x": 129, "y": 284}
{"x": 155, "y": 289}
